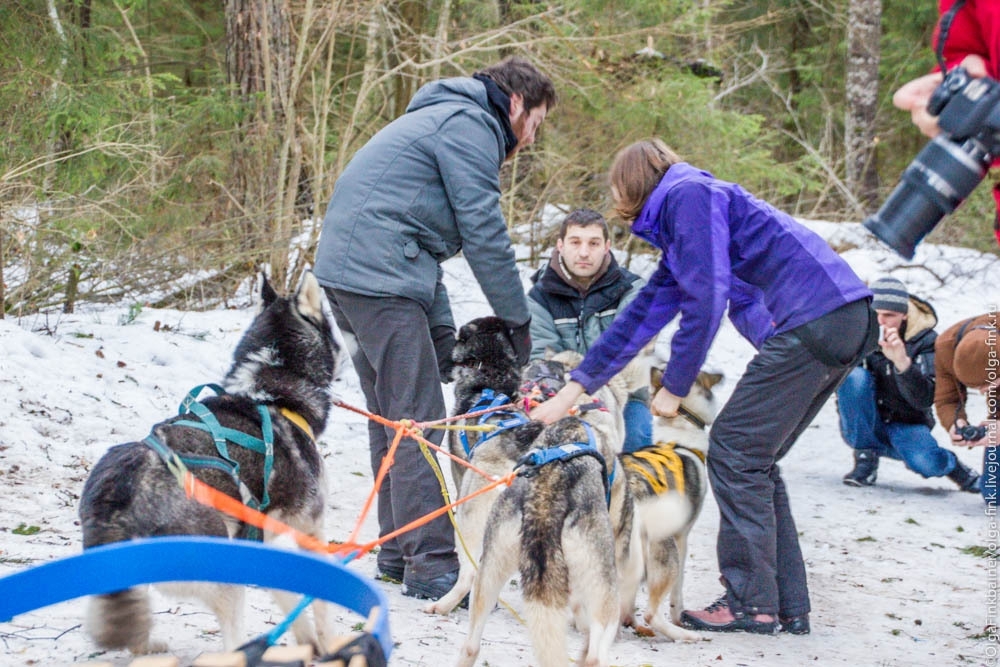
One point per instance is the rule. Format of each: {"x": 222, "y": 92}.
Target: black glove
{"x": 444, "y": 342}
{"x": 520, "y": 339}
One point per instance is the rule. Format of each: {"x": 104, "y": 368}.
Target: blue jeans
{"x": 638, "y": 425}
{"x": 862, "y": 428}
{"x": 988, "y": 480}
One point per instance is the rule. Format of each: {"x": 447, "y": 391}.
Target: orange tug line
{"x": 207, "y": 495}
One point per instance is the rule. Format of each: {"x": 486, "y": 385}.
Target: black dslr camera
{"x": 948, "y": 168}
{"x": 971, "y": 433}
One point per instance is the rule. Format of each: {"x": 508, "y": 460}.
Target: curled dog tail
{"x": 120, "y": 620}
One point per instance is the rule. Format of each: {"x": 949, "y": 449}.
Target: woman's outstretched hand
{"x": 558, "y": 406}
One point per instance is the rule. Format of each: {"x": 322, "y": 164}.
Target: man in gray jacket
{"x": 422, "y": 189}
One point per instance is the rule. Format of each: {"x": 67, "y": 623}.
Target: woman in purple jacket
{"x": 790, "y": 295}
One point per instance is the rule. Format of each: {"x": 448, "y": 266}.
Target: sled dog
{"x": 281, "y": 374}
{"x": 553, "y": 526}
{"x": 487, "y": 375}
{"x": 668, "y": 483}
{"x": 485, "y": 366}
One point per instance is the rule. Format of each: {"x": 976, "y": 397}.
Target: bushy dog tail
{"x": 544, "y": 574}
{"x": 120, "y": 620}
{"x": 547, "y": 627}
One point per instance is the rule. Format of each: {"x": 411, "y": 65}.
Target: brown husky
{"x": 668, "y": 483}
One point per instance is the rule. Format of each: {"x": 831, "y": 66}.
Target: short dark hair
{"x": 584, "y": 217}
{"x": 517, "y": 75}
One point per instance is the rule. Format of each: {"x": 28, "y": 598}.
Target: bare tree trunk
{"x": 863, "y": 55}
{"x": 52, "y": 147}
{"x": 412, "y": 15}
{"x": 258, "y": 62}
{"x": 441, "y": 37}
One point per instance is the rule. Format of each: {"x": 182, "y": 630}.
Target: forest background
{"x": 173, "y": 147}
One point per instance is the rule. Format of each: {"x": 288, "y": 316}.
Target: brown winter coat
{"x": 950, "y": 395}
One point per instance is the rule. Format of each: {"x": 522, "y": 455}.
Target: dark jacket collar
{"x": 500, "y": 102}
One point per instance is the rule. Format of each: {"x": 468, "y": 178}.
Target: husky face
{"x": 484, "y": 359}
{"x": 288, "y": 354}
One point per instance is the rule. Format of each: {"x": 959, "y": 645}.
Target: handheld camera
{"x": 971, "y": 433}
{"x": 949, "y": 167}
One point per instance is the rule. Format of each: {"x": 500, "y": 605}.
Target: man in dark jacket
{"x": 576, "y": 296}
{"x": 422, "y": 189}
{"x": 885, "y": 404}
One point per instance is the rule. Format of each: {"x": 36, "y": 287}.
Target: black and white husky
{"x": 486, "y": 374}
{"x": 277, "y": 389}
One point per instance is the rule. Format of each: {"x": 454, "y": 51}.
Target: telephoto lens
{"x": 949, "y": 167}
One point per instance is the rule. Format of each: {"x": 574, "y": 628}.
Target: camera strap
{"x": 943, "y": 29}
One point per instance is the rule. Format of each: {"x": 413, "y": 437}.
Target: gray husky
{"x": 553, "y": 524}
{"x": 282, "y": 372}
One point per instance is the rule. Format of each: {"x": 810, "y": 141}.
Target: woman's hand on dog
{"x": 665, "y": 404}
{"x": 558, "y": 406}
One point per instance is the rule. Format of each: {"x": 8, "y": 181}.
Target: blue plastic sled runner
{"x": 114, "y": 567}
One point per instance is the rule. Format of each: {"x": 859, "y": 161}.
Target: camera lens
{"x": 938, "y": 180}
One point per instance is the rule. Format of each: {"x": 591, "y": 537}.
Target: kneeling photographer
{"x": 965, "y": 357}
{"x": 961, "y": 113}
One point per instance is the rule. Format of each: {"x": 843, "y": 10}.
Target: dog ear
{"x": 267, "y": 293}
{"x": 460, "y": 353}
{"x": 467, "y": 331}
{"x": 709, "y": 380}
{"x": 309, "y": 298}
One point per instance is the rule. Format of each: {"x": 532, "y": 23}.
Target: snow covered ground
{"x": 897, "y": 571}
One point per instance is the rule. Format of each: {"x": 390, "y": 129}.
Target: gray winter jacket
{"x": 422, "y": 189}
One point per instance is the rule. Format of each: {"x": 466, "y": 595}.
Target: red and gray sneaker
{"x": 717, "y": 617}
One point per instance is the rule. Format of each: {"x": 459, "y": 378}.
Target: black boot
{"x": 966, "y": 478}
{"x": 865, "y": 468}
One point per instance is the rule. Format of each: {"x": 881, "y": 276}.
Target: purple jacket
{"x": 721, "y": 247}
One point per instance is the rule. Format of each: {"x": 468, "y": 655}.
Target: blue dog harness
{"x": 491, "y": 399}
{"x": 223, "y": 435}
{"x": 529, "y": 465}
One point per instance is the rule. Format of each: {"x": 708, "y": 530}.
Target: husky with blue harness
{"x": 487, "y": 385}
{"x": 562, "y": 523}
{"x": 253, "y": 438}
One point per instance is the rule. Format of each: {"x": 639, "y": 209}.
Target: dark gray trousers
{"x": 779, "y": 395}
{"x": 390, "y": 343}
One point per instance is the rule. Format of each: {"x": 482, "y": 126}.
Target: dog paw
{"x": 148, "y": 646}
{"x": 436, "y": 608}
{"x": 643, "y": 630}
